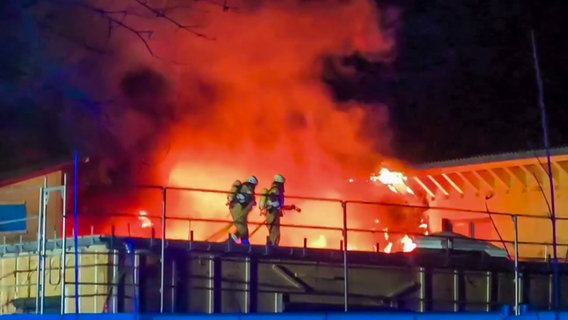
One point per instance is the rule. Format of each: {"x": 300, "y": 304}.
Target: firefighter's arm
{"x": 262, "y": 201}
{"x": 234, "y": 189}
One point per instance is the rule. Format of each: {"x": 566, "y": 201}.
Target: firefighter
{"x": 241, "y": 200}
{"x": 272, "y": 205}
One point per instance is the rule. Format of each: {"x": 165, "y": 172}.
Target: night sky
{"x": 462, "y": 84}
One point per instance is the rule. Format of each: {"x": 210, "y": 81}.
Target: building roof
{"x": 537, "y": 153}
{"x": 28, "y": 172}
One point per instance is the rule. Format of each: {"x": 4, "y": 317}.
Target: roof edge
{"x": 500, "y": 157}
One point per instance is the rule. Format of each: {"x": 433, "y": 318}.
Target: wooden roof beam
{"x": 523, "y": 183}
{"x": 424, "y": 187}
{"x": 485, "y": 182}
{"x": 438, "y": 185}
{"x": 452, "y": 183}
{"x": 499, "y": 178}
{"x": 468, "y": 181}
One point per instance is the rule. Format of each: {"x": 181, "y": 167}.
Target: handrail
{"x": 380, "y": 203}
{"x": 344, "y": 228}
{"x": 314, "y": 227}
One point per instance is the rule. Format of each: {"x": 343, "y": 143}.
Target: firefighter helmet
{"x": 252, "y": 180}
{"x": 279, "y": 178}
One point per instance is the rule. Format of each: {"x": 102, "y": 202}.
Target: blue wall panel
{"x": 12, "y": 217}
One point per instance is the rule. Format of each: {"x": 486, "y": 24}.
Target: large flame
{"x": 252, "y": 101}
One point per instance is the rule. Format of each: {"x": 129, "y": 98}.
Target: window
{"x": 12, "y": 217}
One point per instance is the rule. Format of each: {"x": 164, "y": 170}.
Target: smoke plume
{"x": 198, "y": 94}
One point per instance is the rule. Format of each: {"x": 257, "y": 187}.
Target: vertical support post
{"x": 423, "y": 291}
{"x": 345, "y": 264}
{"x": 45, "y": 196}
{"x": 113, "y": 299}
{"x": 136, "y": 280}
{"x": 63, "y": 241}
{"x": 76, "y": 227}
{"x": 488, "y": 291}
{"x": 173, "y": 287}
{"x": 516, "y": 248}
{"x": 163, "y": 251}
{"x": 39, "y": 243}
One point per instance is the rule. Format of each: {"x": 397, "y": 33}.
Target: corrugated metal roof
{"x": 493, "y": 158}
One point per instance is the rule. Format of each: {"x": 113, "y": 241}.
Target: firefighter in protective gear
{"x": 241, "y": 200}
{"x": 272, "y": 204}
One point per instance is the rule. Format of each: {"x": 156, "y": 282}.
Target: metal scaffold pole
{"x": 163, "y": 252}
{"x": 544, "y": 122}
{"x": 516, "y": 248}
{"x": 40, "y": 243}
{"x": 76, "y": 227}
{"x": 63, "y": 241}
{"x": 345, "y": 262}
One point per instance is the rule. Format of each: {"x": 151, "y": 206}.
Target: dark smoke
{"x": 69, "y": 83}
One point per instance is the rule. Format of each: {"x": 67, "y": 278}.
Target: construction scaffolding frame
{"x": 62, "y": 190}
{"x": 44, "y": 194}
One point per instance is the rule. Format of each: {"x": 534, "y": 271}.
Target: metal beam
{"x": 438, "y": 185}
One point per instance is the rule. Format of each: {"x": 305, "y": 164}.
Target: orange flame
{"x": 395, "y": 181}
{"x": 253, "y": 102}
{"x": 143, "y": 217}
{"x": 407, "y": 244}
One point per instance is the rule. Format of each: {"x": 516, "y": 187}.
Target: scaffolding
{"x": 345, "y": 231}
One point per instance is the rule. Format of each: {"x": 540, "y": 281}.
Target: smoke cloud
{"x": 198, "y": 94}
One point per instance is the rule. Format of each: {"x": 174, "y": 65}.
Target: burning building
{"x": 242, "y": 91}
{"x": 118, "y": 249}
{"x": 480, "y": 195}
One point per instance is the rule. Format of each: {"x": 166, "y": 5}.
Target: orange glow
{"x": 252, "y": 102}
{"x": 143, "y": 217}
{"x": 389, "y": 177}
{"x": 395, "y": 181}
{"x": 407, "y": 244}
{"x": 320, "y": 242}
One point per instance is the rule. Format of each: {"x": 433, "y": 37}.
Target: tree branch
{"x": 143, "y": 35}
{"x": 162, "y": 14}
{"x": 117, "y": 19}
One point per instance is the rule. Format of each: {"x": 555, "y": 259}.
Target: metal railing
{"x": 343, "y": 228}
{"x": 163, "y": 195}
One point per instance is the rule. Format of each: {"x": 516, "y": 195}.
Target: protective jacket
{"x": 241, "y": 193}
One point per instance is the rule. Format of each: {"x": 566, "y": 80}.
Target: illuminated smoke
{"x": 245, "y": 98}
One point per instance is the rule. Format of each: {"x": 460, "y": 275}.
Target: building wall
{"x": 517, "y": 187}
{"x": 18, "y": 278}
{"x": 27, "y": 192}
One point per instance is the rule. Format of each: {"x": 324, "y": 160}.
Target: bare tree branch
{"x": 143, "y": 35}
{"x": 117, "y": 19}
{"x": 162, "y": 14}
